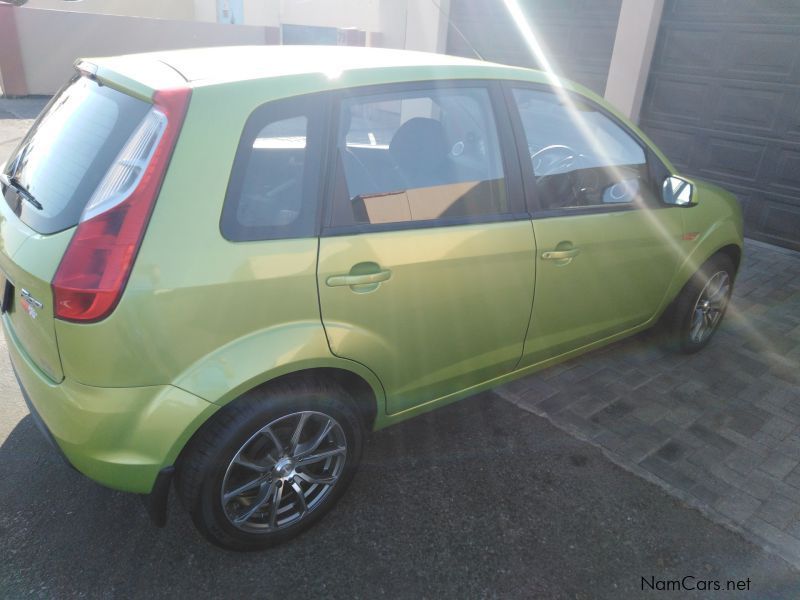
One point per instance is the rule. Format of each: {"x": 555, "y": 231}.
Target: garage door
{"x": 723, "y": 101}
{"x": 579, "y": 35}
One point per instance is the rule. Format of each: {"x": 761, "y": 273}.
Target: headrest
{"x": 419, "y": 144}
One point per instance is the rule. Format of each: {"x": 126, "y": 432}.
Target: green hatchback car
{"x": 221, "y": 267}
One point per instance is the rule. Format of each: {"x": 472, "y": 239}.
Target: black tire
{"x": 236, "y": 432}
{"x": 680, "y": 323}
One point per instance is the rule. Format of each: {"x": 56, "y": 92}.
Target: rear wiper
{"x": 15, "y": 184}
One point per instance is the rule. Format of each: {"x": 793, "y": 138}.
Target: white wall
{"x": 392, "y": 24}
{"x": 412, "y": 24}
{"x": 262, "y": 12}
{"x": 83, "y": 29}
{"x": 206, "y": 10}
{"x": 426, "y": 25}
{"x": 106, "y": 35}
{"x": 637, "y": 31}
{"x": 156, "y": 9}
{"x": 358, "y": 14}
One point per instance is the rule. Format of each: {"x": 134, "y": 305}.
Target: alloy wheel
{"x": 283, "y": 471}
{"x": 709, "y": 307}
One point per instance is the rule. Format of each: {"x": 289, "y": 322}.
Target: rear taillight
{"x": 95, "y": 268}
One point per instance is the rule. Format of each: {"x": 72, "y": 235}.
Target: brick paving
{"x": 719, "y": 429}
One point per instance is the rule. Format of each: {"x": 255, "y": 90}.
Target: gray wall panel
{"x": 723, "y": 102}
{"x": 578, "y": 34}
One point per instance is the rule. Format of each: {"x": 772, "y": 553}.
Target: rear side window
{"x": 273, "y": 190}
{"x": 68, "y": 151}
{"x": 418, "y": 155}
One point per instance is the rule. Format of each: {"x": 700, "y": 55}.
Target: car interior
{"x": 579, "y": 156}
{"x": 430, "y": 167}
{"x": 444, "y": 162}
{"x": 266, "y": 199}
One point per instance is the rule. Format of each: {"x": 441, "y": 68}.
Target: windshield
{"x": 67, "y": 152}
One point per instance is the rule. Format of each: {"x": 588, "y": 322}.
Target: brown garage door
{"x": 579, "y": 35}
{"x": 723, "y": 101}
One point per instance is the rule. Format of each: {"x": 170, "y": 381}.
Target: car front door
{"x": 607, "y": 248}
{"x": 426, "y": 262}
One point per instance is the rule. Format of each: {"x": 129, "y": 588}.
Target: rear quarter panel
{"x": 191, "y": 291}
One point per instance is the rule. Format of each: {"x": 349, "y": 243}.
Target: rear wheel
{"x": 701, "y": 305}
{"x": 271, "y": 464}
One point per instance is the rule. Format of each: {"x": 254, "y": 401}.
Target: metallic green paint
{"x": 717, "y": 219}
{"x": 120, "y": 437}
{"x": 29, "y": 260}
{"x": 618, "y": 280}
{"x": 203, "y": 320}
{"x": 453, "y": 313}
{"x": 387, "y": 420}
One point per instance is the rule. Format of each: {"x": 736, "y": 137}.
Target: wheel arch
{"x": 722, "y": 238}
{"x": 361, "y": 392}
{"x": 367, "y": 399}
{"x": 366, "y": 393}
{"x": 291, "y": 350}
{"x": 732, "y": 251}
{"x": 273, "y": 355}
{"x": 691, "y": 266}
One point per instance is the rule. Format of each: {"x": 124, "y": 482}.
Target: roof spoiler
{"x": 85, "y": 68}
{"x": 130, "y": 75}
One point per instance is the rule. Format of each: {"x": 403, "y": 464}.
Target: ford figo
{"x": 221, "y": 267}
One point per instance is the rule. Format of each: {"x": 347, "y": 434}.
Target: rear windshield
{"x": 69, "y": 149}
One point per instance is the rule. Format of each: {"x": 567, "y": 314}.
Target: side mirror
{"x": 677, "y": 191}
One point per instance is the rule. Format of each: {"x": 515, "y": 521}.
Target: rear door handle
{"x": 339, "y": 280}
{"x": 560, "y": 254}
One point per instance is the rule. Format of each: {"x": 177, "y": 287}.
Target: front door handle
{"x": 369, "y": 278}
{"x": 560, "y": 254}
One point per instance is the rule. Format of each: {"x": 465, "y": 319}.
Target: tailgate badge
{"x": 30, "y": 303}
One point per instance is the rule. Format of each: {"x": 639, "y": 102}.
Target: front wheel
{"x": 701, "y": 305}
{"x": 270, "y": 465}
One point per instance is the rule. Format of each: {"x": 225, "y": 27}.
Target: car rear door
{"x": 607, "y": 247}
{"x": 426, "y": 266}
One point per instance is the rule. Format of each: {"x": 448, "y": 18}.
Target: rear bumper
{"x": 119, "y": 437}
{"x": 37, "y": 419}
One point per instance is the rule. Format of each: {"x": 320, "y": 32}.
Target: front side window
{"x": 273, "y": 189}
{"x": 421, "y": 155}
{"x": 580, "y": 157}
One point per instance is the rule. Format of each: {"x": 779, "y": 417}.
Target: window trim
{"x": 311, "y": 106}
{"x": 505, "y": 138}
{"x": 423, "y": 224}
{"x": 534, "y": 203}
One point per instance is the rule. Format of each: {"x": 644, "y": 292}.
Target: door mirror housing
{"x": 678, "y": 192}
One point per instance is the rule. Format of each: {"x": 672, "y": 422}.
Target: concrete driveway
{"x": 483, "y": 498}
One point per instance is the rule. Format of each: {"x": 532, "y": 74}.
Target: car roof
{"x": 255, "y": 62}
{"x": 210, "y": 66}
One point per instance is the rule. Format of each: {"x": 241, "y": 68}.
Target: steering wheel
{"x": 553, "y": 159}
